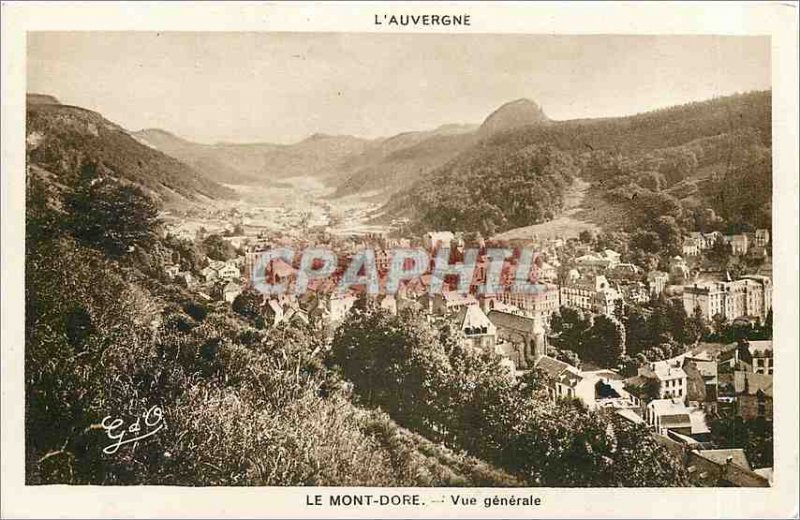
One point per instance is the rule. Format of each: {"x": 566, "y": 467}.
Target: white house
{"x": 612, "y": 256}
{"x": 761, "y": 238}
{"x": 690, "y": 247}
{"x": 228, "y": 272}
{"x": 670, "y": 376}
{"x": 230, "y": 291}
{"x": 389, "y": 304}
{"x": 657, "y": 280}
{"x": 209, "y": 274}
{"x": 339, "y": 306}
{"x": 596, "y": 389}
{"x": 738, "y": 243}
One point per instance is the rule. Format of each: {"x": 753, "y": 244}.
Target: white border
{"x": 731, "y": 18}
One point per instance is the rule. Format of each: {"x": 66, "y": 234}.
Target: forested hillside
{"x": 60, "y": 138}
{"x": 706, "y": 164}
{"x": 400, "y": 160}
{"x": 489, "y": 189}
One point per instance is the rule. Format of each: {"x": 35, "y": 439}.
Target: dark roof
{"x": 513, "y": 322}
{"x": 721, "y": 456}
{"x": 551, "y": 366}
{"x": 750, "y": 383}
{"x": 680, "y": 420}
{"x": 637, "y": 380}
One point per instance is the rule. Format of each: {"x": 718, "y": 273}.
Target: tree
{"x": 678, "y": 322}
{"x": 478, "y": 407}
{"x": 604, "y": 342}
{"x": 640, "y": 458}
{"x": 669, "y": 233}
{"x": 568, "y": 356}
{"x": 653, "y": 205}
{"x": 755, "y": 436}
{"x": 616, "y": 240}
{"x": 109, "y": 215}
{"x": 647, "y": 241}
{"x": 720, "y": 252}
{"x": 660, "y": 323}
{"x": 570, "y": 325}
{"x": 395, "y": 362}
{"x": 185, "y": 253}
{"x": 766, "y": 328}
{"x": 587, "y": 236}
{"x": 696, "y": 326}
{"x": 217, "y": 248}
{"x": 637, "y": 332}
{"x": 629, "y": 366}
{"x": 248, "y": 305}
{"x": 719, "y": 324}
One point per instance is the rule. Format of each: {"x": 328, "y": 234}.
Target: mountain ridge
{"x": 681, "y": 159}
{"x": 60, "y": 138}
{"x": 513, "y": 114}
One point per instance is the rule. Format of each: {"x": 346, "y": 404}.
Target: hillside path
{"x": 565, "y": 225}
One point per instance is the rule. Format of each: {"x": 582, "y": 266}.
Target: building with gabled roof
{"x": 761, "y": 356}
{"x": 526, "y": 334}
{"x": 596, "y": 389}
{"x": 478, "y": 330}
{"x": 722, "y": 467}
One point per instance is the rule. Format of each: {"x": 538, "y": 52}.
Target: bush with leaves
{"x": 110, "y": 215}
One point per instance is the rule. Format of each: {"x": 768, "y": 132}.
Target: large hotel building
{"x": 750, "y": 296}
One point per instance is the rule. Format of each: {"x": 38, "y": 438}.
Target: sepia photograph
{"x": 379, "y": 260}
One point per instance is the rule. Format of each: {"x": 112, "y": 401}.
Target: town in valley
{"x": 643, "y": 356}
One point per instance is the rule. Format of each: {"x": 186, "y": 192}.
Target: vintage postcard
{"x": 400, "y": 260}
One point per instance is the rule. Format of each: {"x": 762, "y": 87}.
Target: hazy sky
{"x": 282, "y": 87}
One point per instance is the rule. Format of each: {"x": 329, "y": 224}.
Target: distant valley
{"x": 514, "y": 171}
{"x": 349, "y": 164}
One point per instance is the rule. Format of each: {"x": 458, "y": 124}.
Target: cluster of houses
{"x": 217, "y": 281}
{"x": 598, "y": 281}
{"x": 686, "y": 389}
{"x": 740, "y": 245}
{"x": 678, "y": 394}
{"x": 672, "y": 397}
